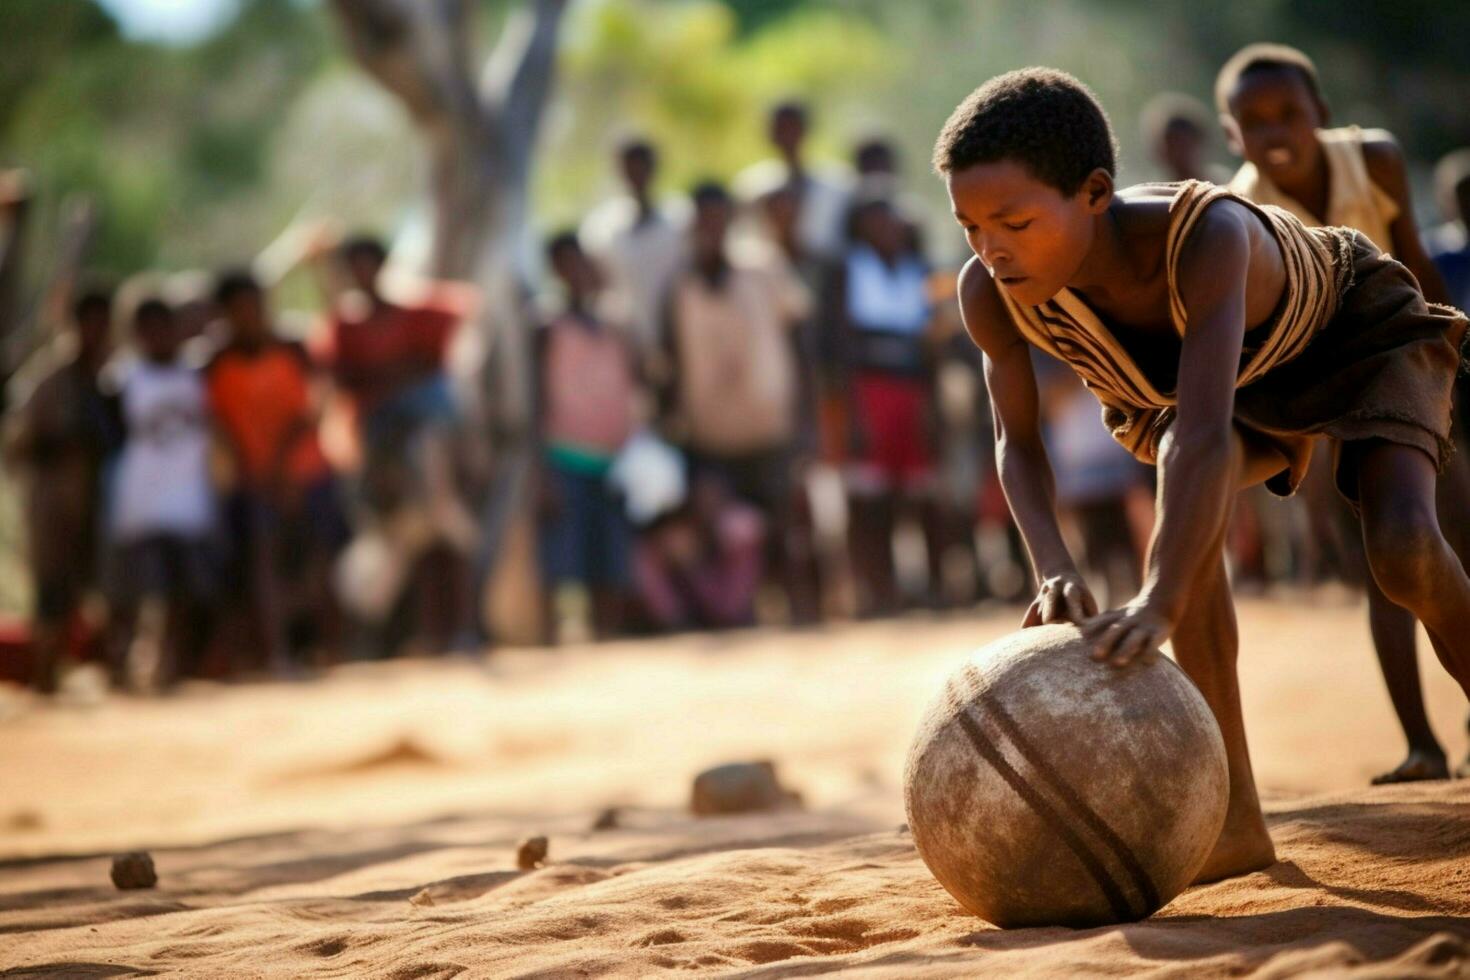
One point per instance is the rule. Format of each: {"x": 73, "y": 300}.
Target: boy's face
{"x": 245, "y": 310}
{"x": 711, "y": 222}
{"x": 157, "y": 335}
{"x": 788, "y": 130}
{"x": 1030, "y": 236}
{"x": 878, "y": 160}
{"x": 364, "y": 268}
{"x": 94, "y": 328}
{"x": 576, "y": 271}
{"x": 879, "y": 228}
{"x": 1181, "y": 147}
{"x": 1273, "y": 122}
{"x": 638, "y": 169}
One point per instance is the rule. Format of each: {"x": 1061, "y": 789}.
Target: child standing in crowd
{"x": 587, "y": 396}
{"x": 1176, "y": 130}
{"x": 389, "y": 358}
{"x": 638, "y": 243}
{"x": 163, "y": 513}
{"x": 881, "y": 294}
{"x": 733, "y": 401}
{"x": 822, "y": 192}
{"x": 289, "y": 521}
{"x": 60, "y": 438}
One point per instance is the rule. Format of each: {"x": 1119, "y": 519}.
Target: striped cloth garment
{"x": 1319, "y": 263}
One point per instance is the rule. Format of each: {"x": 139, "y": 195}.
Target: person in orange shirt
{"x": 290, "y": 520}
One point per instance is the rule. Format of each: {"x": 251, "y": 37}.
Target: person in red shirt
{"x": 388, "y": 357}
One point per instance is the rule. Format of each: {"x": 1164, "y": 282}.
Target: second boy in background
{"x": 1275, "y": 117}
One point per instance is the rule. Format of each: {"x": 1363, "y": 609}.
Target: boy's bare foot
{"x": 1462, "y": 771}
{"x": 1419, "y": 766}
{"x": 1238, "y": 854}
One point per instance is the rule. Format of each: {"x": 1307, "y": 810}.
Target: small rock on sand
{"x": 607, "y": 819}
{"x": 134, "y": 870}
{"x": 24, "y": 820}
{"x": 740, "y": 787}
{"x": 531, "y": 853}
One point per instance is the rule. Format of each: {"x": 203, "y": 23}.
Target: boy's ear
{"x": 1097, "y": 190}
{"x": 1233, "y": 138}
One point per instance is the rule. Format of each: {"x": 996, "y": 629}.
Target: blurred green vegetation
{"x": 200, "y": 155}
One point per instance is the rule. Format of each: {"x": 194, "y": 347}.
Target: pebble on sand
{"x": 531, "y": 853}
{"x": 608, "y": 819}
{"x": 134, "y": 870}
{"x": 740, "y": 787}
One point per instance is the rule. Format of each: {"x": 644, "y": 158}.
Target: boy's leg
{"x": 1206, "y": 645}
{"x": 55, "y": 605}
{"x": 944, "y": 533}
{"x": 1407, "y": 552}
{"x": 1454, "y": 514}
{"x": 609, "y": 564}
{"x": 262, "y": 548}
{"x": 1392, "y": 627}
{"x": 870, "y": 539}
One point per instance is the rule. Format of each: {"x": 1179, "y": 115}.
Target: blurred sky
{"x": 171, "y": 21}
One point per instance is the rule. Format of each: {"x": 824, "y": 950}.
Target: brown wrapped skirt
{"x": 1383, "y": 367}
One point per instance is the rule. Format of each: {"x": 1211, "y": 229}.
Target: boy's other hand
{"x": 1061, "y": 599}
{"x": 1135, "y": 632}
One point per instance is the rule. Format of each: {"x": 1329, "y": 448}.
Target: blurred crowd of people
{"x": 755, "y": 403}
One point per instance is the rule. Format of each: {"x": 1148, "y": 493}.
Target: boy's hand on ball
{"x": 1135, "y": 632}
{"x": 1061, "y": 599}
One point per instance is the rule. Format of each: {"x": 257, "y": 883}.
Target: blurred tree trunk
{"x": 30, "y": 320}
{"x": 480, "y": 133}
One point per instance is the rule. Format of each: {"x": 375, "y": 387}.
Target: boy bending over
{"x": 1220, "y": 337}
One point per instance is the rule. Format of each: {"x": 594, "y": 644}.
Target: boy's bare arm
{"x": 1385, "y": 162}
{"x": 1020, "y": 456}
{"x": 1200, "y": 458}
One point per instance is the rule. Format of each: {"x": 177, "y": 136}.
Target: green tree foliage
{"x": 685, "y": 75}
{"x": 157, "y": 135}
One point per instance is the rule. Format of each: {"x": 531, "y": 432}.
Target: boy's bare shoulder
{"x": 1220, "y": 242}
{"x": 982, "y": 310}
{"x": 1224, "y": 219}
{"x": 1384, "y": 159}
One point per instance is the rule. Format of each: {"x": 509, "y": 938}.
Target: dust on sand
{"x": 366, "y": 825}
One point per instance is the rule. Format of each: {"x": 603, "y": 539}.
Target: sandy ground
{"x": 365, "y": 825}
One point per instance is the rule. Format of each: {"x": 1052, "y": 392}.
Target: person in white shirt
{"x": 824, "y": 192}
{"x": 639, "y": 244}
{"x": 163, "y": 511}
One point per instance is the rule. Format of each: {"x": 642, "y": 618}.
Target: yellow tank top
{"x": 1353, "y": 200}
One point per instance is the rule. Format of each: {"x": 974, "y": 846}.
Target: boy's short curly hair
{"x": 1043, "y": 119}
{"x": 1263, "y": 57}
